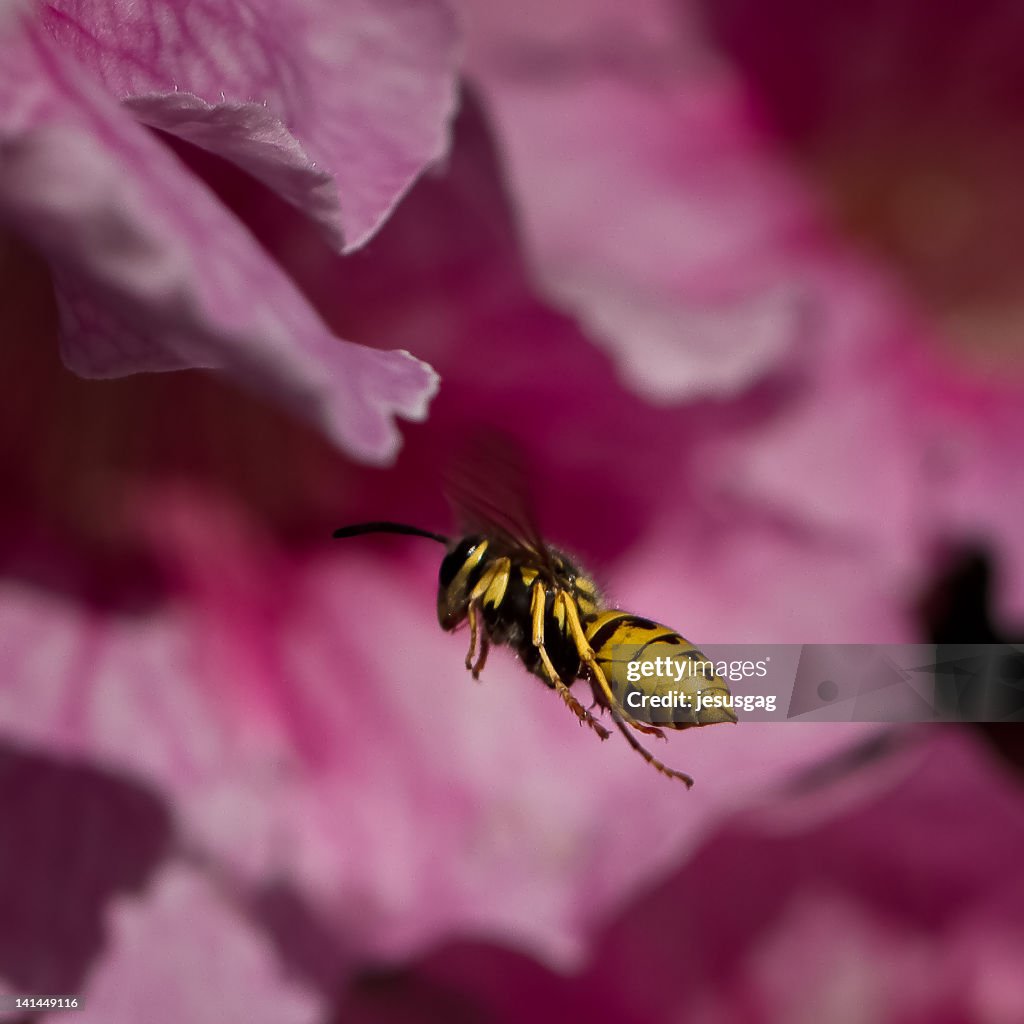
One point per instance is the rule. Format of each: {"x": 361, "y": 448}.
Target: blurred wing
{"x": 488, "y": 488}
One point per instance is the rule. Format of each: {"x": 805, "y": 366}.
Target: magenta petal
{"x": 643, "y": 189}
{"x": 182, "y": 952}
{"x": 828, "y": 460}
{"x": 335, "y": 104}
{"x": 153, "y": 273}
{"x": 251, "y": 137}
{"x": 905, "y": 910}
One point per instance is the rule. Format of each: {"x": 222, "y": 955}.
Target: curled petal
{"x": 643, "y": 189}
{"x": 335, "y": 105}
{"x": 153, "y": 273}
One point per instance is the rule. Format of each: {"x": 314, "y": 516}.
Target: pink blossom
{"x": 645, "y": 189}
{"x": 322, "y": 787}
{"x": 188, "y": 625}
{"x": 183, "y": 620}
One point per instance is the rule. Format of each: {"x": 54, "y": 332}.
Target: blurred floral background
{"x": 744, "y": 283}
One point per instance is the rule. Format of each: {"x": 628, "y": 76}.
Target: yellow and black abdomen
{"x": 642, "y": 660}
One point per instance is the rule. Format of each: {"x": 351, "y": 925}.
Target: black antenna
{"x": 358, "y": 529}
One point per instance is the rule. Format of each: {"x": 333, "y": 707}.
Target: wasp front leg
{"x": 586, "y": 653}
{"x": 485, "y": 645}
{"x": 472, "y": 614}
{"x": 489, "y": 589}
{"x": 537, "y": 601}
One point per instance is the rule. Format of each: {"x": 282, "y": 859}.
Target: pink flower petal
{"x": 643, "y": 189}
{"x": 335, "y": 104}
{"x": 844, "y": 456}
{"x": 182, "y": 952}
{"x": 154, "y": 274}
{"x": 828, "y": 958}
{"x": 905, "y": 909}
{"x": 889, "y": 446}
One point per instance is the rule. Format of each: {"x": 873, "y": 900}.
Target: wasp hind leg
{"x": 491, "y": 585}
{"x": 537, "y": 614}
{"x": 586, "y": 653}
{"x": 645, "y": 753}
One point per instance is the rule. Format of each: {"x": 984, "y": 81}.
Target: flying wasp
{"x": 515, "y": 590}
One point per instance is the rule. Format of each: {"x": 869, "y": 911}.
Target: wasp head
{"x": 459, "y": 572}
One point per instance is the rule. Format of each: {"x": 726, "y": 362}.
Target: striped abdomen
{"x": 623, "y": 644}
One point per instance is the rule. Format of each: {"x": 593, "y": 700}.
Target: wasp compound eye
{"x": 456, "y": 559}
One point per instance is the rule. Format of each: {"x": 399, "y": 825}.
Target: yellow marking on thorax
{"x": 586, "y": 598}
{"x": 499, "y": 583}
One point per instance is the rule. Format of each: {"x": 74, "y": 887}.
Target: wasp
{"x": 515, "y": 590}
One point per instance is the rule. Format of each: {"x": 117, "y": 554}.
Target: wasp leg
{"x": 491, "y": 585}
{"x": 645, "y": 753}
{"x": 537, "y": 612}
{"x": 586, "y": 652}
{"x": 472, "y": 636}
{"x": 485, "y": 646}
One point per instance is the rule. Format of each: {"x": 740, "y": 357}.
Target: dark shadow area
{"x": 958, "y": 610}
{"x": 72, "y": 838}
